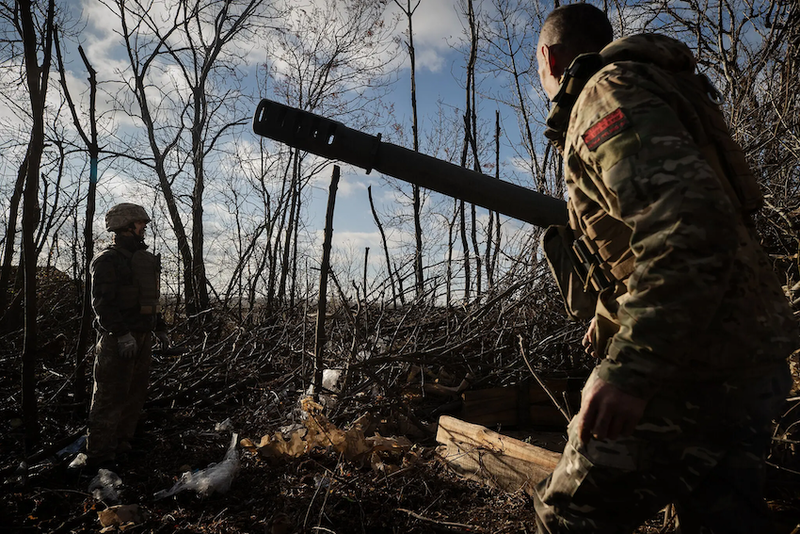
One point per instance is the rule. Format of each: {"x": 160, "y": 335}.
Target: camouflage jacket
{"x": 702, "y": 301}
{"x": 115, "y": 312}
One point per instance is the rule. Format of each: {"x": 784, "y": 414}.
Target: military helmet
{"x": 123, "y": 215}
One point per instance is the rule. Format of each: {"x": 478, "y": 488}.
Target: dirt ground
{"x": 250, "y": 381}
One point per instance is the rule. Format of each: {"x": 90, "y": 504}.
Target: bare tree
{"x": 332, "y": 59}
{"x": 257, "y": 211}
{"x": 7, "y": 309}
{"x": 510, "y": 56}
{"x": 185, "y": 127}
{"x": 389, "y": 270}
{"x": 416, "y": 198}
{"x": 93, "y": 149}
{"x": 36, "y": 41}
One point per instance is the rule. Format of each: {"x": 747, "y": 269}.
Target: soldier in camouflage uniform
{"x": 691, "y": 327}
{"x": 125, "y": 286}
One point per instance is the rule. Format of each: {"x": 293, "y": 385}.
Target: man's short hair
{"x": 579, "y": 28}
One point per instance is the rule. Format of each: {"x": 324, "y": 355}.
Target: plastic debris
{"x": 216, "y": 478}
{"x": 21, "y": 472}
{"x": 74, "y": 447}
{"x": 330, "y": 381}
{"x": 105, "y": 486}
{"x": 223, "y": 426}
{"x": 79, "y": 462}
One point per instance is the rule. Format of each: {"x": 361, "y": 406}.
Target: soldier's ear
{"x": 547, "y": 60}
{"x": 555, "y": 55}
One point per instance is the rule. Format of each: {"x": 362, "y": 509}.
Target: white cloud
{"x": 431, "y": 59}
{"x": 353, "y": 184}
{"x": 435, "y": 22}
{"x": 356, "y": 240}
{"x": 436, "y": 25}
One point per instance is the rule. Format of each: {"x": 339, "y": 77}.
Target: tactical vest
{"x": 144, "y": 288}
{"x": 598, "y": 244}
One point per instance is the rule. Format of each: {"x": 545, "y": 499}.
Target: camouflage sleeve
{"x": 104, "y": 292}
{"x": 631, "y": 152}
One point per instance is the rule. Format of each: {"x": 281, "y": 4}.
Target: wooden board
{"x": 503, "y": 462}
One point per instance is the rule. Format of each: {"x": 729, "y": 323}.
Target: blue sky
{"x": 437, "y": 28}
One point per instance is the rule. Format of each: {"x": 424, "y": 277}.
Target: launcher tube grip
{"x": 331, "y": 139}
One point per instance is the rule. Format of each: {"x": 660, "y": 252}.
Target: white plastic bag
{"x": 105, "y": 486}
{"x": 214, "y": 478}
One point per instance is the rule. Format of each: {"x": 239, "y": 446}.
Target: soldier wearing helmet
{"x": 125, "y": 216}
{"x": 125, "y": 300}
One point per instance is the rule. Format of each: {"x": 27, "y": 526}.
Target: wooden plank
{"x": 478, "y": 453}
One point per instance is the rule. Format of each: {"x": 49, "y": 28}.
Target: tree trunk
{"x": 385, "y": 245}
{"x": 322, "y": 301}
{"x": 278, "y": 271}
{"x": 37, "y": 79}
{"x": 11, "y": 230}
{"x": 494, "y": 218}
{"x": 416, "y": 194}
{"x": 287, "y": 244}
{"x": 462, "y": 218}
{"x": 93, "y": 149}
{"x": 471, "y": 129}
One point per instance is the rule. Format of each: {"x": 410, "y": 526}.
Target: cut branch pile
{"x": 357, "y": 455}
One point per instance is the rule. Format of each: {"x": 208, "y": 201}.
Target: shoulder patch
{"x": 606, "y": 128}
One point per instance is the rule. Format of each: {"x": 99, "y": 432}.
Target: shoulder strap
{"x": 122, "y": 250}
{"x": 110, "y": 252}
{"x": 580, "y": 70}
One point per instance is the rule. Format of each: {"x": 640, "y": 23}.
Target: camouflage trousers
{"x": 120, "y": 389}
{"x": 702, "y": 450}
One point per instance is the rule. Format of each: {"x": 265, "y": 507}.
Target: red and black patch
{"x": 606, "y": 128}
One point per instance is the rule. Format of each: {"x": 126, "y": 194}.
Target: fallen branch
{"x": 446, "y": 524}
{"x": 541, "y": 383}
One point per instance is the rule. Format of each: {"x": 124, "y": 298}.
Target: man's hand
{"x": 587, "y": 339}
{"x": 607, "y": 412}
{"x": 163, "y": 339}
{"x": 126, "y": 345}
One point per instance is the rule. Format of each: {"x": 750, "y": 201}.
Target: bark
{"x": 93, "y": 150}
{"x": 389, "y": 274}
{"x": 294, "y": 192}
{"x": 322, "y": 302}
{"x": 10, "y": 240}
{"x": 37, "y": 79}
{"x": 416, "y": 198}
{"x": 88, "y": 237}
